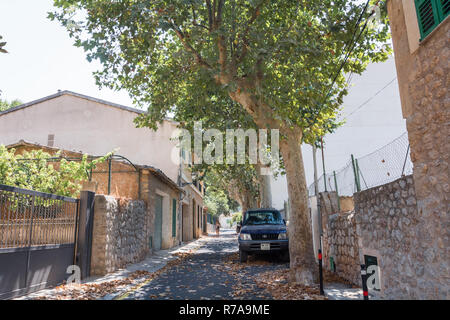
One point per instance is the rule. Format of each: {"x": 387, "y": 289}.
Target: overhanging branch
{"x": 189, "y": 47}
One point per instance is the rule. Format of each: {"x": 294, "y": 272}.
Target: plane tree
{"x": 279, "y": 60}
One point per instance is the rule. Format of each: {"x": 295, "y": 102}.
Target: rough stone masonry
{"x": 423, "y": 75}
{"x": 388, "y": 227}
{"x": 120, "y": 235}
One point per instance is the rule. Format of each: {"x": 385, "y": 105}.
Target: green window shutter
{"x": 443, "y": 7}
{"x": 427, "y": 15}
{"x": 174, "y": 217}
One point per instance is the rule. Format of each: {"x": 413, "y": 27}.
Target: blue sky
{"x": 41, "y": 56}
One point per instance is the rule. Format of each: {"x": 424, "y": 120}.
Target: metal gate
{"x": 37, "y": 240}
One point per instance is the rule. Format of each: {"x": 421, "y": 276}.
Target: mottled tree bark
{"x": 265, "y": 191}
{"x": 303, "y": 265}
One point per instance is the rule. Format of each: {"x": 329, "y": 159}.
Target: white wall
{"x": 84, "y": 125}
{"x": 374, "y": 125}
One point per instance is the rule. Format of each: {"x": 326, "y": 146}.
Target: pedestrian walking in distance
{"x": 217, "y": 227}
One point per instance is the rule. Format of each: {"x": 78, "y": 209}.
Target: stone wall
{"x": 342, "y": 245}
{"x": 424, "y": 82}
{"x": 339, "y": 239}
{"x": 328, "y": 206}
{"x": 388, "y": 228}
{"x": 121, "y": 234}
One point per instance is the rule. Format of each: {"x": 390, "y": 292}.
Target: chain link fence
{"x": 375, "y": 169}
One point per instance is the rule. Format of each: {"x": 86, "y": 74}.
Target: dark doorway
{"x": 158, "y": 223}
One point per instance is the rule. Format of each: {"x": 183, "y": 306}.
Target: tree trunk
{"x": 303, "y": 266}
{"x": 264, "y": 188}
{"x": 247, "y": 201}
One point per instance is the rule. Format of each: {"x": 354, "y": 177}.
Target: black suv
{"x": 263, "y": 231}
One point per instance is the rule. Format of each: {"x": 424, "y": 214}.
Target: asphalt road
{"x": 208, "y": 274}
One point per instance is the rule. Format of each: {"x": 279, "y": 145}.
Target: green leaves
{"x": 5, "y": 105}
{"x": 174, "y": 56}
{"x": 2, "y": 45}
{"x": 39, "y": 171}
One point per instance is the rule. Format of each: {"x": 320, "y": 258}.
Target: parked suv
{"x": 263, "y": 231}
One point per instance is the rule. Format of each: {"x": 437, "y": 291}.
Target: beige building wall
{"x": 423, "y": 68}
{"x": 96, "y": 128}
{"x": 91, "y": 127}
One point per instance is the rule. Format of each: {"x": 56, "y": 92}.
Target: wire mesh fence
{"x": 377, "y": 168}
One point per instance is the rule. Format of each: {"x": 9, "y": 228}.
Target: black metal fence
{"x": 38, "y": 232}
{"x": 30, "y": 218}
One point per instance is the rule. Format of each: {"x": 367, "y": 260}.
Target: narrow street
{"x": 204, "y": 269}
{"x": 212, "y": 272}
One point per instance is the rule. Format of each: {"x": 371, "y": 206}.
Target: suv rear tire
{"x": 243, "y": 256}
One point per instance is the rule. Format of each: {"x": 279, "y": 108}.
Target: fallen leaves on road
{"x": 273, "y": 283}
{"x": 331, "y": 277}
{"x": 93, "y": 291}
{"x": 89, "y": 291}
{"x": 278, "y": 285}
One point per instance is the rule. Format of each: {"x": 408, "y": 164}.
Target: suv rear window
{"x": 262, "y": 217}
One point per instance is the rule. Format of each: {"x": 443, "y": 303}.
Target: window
{"x": 430, "y": 13}
{"x": 254, "y": 218}
{"x": 174, "y": 217}
{"x": 51, "y": 140}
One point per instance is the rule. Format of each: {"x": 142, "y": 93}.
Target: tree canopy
{"x": 284, "y": 52}
{"x": 2, "y": 46}
{"x": 284, "y": 62}
{"x": 5, "y": 104}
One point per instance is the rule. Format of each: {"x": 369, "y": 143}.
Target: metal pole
{"x": 404, "y": 163}
{"x": 319, "y": 214}
{"x": 358, "y": 173}
{"x": 337, "y": 191}
{"x": 364, "y": 282}
{"x": 358, "y": 187}
{"x": 361, "y": 175}
{"x": 109, "y": 175}
{"x": 320, "y": 273}
{"x": 323, "y": 165}
{"x": 30, "y": 238}
{"x": 316, "y": 191}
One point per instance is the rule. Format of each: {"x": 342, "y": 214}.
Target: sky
{"x": 42, "y": 58}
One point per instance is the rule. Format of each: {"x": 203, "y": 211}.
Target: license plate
{"x": 265, "y": 246}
